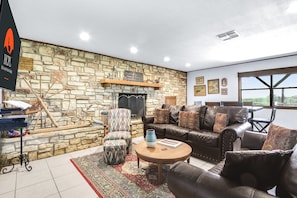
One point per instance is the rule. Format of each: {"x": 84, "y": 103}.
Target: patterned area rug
{"x": 123, "y": 180}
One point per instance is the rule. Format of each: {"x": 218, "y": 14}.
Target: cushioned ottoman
{"x": 114, "y": 151}
{"x": 120, "y": 135}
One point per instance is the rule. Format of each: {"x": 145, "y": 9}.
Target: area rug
{"x": 123, "y": 180}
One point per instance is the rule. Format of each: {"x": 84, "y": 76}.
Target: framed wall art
{"x": 224, "y": 82}
{"x": 200, "y": 80}
{"x": 224, "y": 91}
{"x": 200, "y": 90}
{"x": 213, "y": 86}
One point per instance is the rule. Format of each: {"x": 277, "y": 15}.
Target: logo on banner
{"x": 9, "y": 41}
{"x": 9, "y": 47}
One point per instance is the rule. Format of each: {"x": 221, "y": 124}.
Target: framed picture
{"x": 224, "y": 91}
{"x": 200, "y": 80}
{"x": 213, "y": 86}
{"x": 199, "y": 90}
{"x": 224, "y": 82}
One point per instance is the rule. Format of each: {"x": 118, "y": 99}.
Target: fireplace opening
{"x": 134, "y": 102}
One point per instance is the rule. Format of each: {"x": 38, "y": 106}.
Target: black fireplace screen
{"x": 134, "y": 102}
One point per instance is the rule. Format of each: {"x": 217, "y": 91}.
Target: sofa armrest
{"x": 231, "y": 137}
{"x": 253, "y": 140}
{"x": 238, "y": 128}
{"x": 147, "y": 119}
{"x": 186, "y": 180}
{"x": 181, "y": 179}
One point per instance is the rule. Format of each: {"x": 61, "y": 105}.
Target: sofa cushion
{"x": 194, "y": 108}
{"x": 259, "y": 169}
{"x": 159, "y": 129}
{"x": 176, "y": 132}
{"x": 210, "y": 114}
{"x": 221, "y": 121}
{"x": 280, "y": 138}
{"x": 174, "y": 112}
{"x": 161, "y": 116}
{"x": 204, "y": 137}
{"x": 189, "y": 120}
{"x": 237, "y": 115}
{"x": 288, "y": 181}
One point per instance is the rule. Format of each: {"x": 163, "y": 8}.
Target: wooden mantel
{"x": 108, "y": 82}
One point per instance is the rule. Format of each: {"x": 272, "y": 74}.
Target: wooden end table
{"x": 162, "y": 154}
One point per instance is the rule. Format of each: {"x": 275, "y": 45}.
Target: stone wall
{"x": 68, "y": 82}
{"x": 44, "y": 145}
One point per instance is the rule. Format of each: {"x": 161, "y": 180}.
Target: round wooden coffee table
{"x": 162, "y": 154}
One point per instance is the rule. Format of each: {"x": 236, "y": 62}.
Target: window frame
{"x": 268, "y": 72}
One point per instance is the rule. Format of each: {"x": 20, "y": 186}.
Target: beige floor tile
{"x": 81, "y": 191}
{"x": 33, "y": 177}
{"x": 7, "y": 195}
{"x": 37, "y": 190}
{"x": 63, "y": 182}
{"x": 7, "y": 182}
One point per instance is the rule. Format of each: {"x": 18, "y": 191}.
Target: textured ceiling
{"x": 183, "y": 30}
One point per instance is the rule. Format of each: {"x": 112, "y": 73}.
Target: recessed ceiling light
{"x": 188, "y": 64}
{"x": 84, "y": 36}
{"x": 133, "y": 50}
{"x": 292, "y": 8}
{"x": 166, "y": 59}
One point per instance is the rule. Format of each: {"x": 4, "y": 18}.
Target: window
{"x": 269, "y": 87}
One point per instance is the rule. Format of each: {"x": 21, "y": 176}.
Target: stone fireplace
{"x": 133, "y": 101}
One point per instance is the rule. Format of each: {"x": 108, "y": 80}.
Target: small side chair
{"x": 119, "y": 121}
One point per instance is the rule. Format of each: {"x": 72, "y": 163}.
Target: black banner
{"x": 9, "y": 48}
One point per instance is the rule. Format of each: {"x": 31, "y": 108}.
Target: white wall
{"x": 286, "y": 118}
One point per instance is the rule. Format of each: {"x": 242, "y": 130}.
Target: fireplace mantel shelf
{"x": 108, "y": 82}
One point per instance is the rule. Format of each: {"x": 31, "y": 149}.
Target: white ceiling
{"x": 184, "y": 30}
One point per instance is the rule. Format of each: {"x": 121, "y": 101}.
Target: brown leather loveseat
{"x": 206, "y": 144}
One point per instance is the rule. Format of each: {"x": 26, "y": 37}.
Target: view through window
{"x": 269, "y": 87}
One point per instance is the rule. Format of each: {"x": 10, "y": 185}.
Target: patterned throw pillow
{"x": 161, "y": 116}
{"x": 221, "y": 122}
{"x": 189, "y": 120}
{"x": 280, "y": 138}
{"x": 256, "y": 168}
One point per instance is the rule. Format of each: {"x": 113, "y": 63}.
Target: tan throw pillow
{"x": 189, "y": 120}
{"x": 182, "y": 119}
{"x": 221, "y": 122}
{"x": 161, "y": 116}
{"x": 280, "y": 138}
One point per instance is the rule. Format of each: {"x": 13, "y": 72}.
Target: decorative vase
{"x": 151, "y": 138}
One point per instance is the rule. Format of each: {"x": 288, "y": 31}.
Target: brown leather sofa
{"x": 206, "y": 144}
{"x": 186, "y": 180}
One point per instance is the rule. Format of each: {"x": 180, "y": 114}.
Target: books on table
{"x": 169, "y": 142}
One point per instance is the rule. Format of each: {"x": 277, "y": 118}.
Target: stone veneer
{"x": 43, "y": 145}
{"x": 68, "y": 82}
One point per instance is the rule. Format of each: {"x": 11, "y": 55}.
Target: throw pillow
{"x": 258, "y": 168}
{"x": 161, "y": 116}
{"x": 221, "y": 121}
{"x": 280, "y": 138}
{"x": 182, "y": 119}
{"x": 189, "y": 120}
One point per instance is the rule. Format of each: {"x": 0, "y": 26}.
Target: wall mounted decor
{"x": 213, "y": 86}
{"x": 200, "y": 80}
{"x": 224, "y": 82}
{"x": 199, "y": 90}
{"x": 224, "y": 91}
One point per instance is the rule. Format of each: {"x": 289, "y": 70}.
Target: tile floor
{"x": 55, "y": 177}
